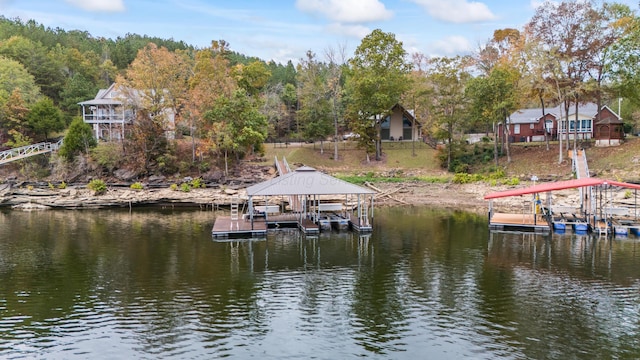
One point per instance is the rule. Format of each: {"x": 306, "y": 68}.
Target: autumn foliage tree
{"x": 156, "y": 83}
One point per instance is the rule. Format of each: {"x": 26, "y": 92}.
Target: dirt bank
{"x": 453, "y": 196}
{"x": 468, "y": 197}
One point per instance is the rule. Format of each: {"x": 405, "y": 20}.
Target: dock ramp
{"x": 24, "y": 152}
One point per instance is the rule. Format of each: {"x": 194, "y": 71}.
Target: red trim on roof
{"x": 550, "y": 186}
{"x": 623, "y": 184}
{"x": 560, "y": 185}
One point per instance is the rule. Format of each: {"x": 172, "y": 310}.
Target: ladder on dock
{"x": 234, "y": 212}
{"x": 24, "y": 152}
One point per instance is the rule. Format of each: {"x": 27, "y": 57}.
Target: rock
{"x": 213, "y": 176}
{"x": 156, "y": 179}
{"x": 230, "y": 191}
{"x": 124, "y": 174}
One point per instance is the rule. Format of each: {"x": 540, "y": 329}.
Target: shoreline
{"x": 467, "y": 197}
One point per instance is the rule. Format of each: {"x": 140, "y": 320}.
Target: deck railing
{"x": 28, "y": 151}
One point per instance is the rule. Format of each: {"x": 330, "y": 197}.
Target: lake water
{"x": 426, "y": 284}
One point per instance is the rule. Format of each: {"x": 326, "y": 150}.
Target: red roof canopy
{"x": 558, "y": 185}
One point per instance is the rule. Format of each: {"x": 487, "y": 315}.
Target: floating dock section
{"x": 519, "y": 222}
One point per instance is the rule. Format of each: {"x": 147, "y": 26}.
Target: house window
{"x": 586, "y": 126}
{"x": 386, "y": 123}
{"x": 406, "y": 128}
{"x": 516, "y": 129}
{"x": 548, "y": 124}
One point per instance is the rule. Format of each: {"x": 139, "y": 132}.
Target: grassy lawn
{"x": 351, "y": 160}
{"x": 528, "y": 159}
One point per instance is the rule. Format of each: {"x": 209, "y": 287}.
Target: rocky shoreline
{"x": 464, "y": 197}
{"x": 468, "y": 197}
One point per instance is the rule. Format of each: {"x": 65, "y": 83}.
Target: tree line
{"x": 227, "y": 105}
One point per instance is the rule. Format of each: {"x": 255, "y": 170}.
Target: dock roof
{"x": 559, "y": 185}
{"x": 305, "y": 181}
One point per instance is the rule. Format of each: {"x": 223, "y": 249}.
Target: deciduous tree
{"x": 448, "y": 78}
{"x": 376, "y": 83}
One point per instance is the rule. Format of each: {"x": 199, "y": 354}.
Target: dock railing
{"x": 28, "y": 151}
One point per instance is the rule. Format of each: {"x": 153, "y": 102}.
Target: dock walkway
{"x": 519, "y": 222}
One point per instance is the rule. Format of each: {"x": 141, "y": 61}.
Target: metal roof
{"x": 305, "y": 181}
{"x": 101, "y": 102}
{"x": 533, "y": 115}
{"x": 560, "y": 185}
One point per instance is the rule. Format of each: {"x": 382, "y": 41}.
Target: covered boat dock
{"x": 595, "y": 210}
{"x": 312, "y": 206}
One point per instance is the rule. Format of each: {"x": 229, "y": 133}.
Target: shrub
{"x": 79, "y": 139}
{"x": 185, "y": 187}
{"x": 107, "y": 155}
{"x": 173, "y": 187}
{"x": 628, "y": 194}
{"x": 197, "y": 183}
{"x": 513, "y": 181}
{"x": 98, "y": 186}
{"x": 137, "y": 186}
{"x": 62, "y": 185}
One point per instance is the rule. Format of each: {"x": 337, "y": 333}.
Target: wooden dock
{"x": 225, "y": 227}
{"x": 309, "y": 227}
{"x": 519, "y": 222}
{"x": 357, "y": 226}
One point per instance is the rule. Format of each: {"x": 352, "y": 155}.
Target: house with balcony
{"x": 112, "y": 112}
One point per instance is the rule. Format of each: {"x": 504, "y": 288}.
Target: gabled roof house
{"x": 400, "y": 125}
{"x": 531, "y": 124}
{"x": 113, "y": 110}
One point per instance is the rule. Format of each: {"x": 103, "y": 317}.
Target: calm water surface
{"x": 426, "y": 284}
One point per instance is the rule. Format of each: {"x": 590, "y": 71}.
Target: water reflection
{"x": 426, "y": 283}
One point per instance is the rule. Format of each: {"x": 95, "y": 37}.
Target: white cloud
{"x": 451, "y": 45}
{"x": 457, "y": 11}
{"x": 346, "y": 11}
{"x": 99, "y": 5}
{"x": 356, "y": 31}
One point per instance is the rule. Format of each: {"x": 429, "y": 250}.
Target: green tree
{"x": 238, "y": 127}
{"x": 76, "y": 89}
{"x": 33, "y": 56}
{"x": 448, "y": 78}
{"x": 44, "y": 118}
{"x": 253, "y": 77}
{"x": 289, "y": 98}
{"x": 313, "y": 94}
{"x": 13, "y": 76}
{"x": 492, "y": 98}
{"x": 79, "y": 139}
{"x": 376, "y": 83}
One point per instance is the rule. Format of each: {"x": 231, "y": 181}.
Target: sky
{"x": 283, "y": 30}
